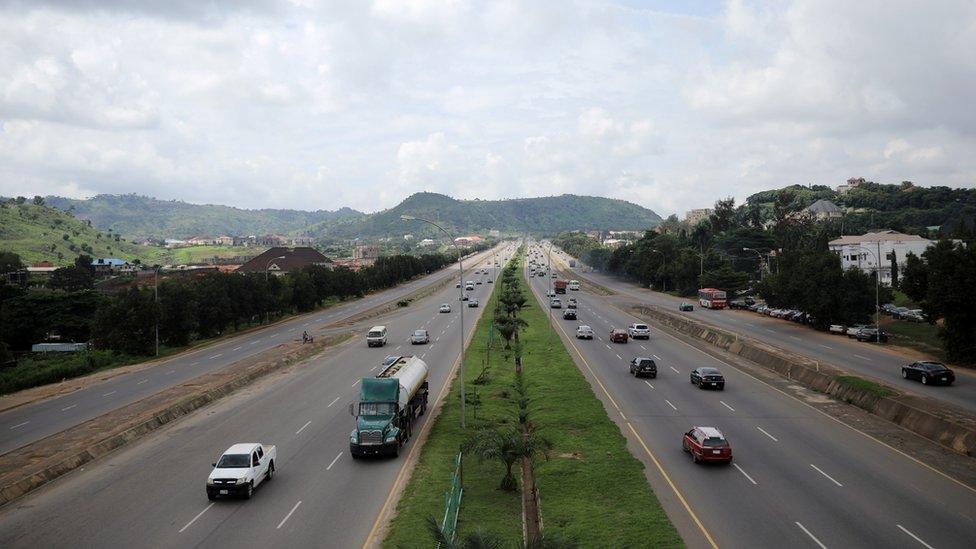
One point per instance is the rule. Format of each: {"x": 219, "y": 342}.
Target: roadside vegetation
{"x": 865, "y": 385}
{"x": 591, "y": 491}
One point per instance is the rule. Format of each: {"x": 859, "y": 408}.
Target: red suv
{"x": 707, "y": 444}
{"x": 618, "y": 336}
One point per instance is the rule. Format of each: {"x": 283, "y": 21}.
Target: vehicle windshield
{"x": 375, "y": 334}
{"x": 640, "y": 326}
{"x": 714, "y": 441}
{"x": 420, "y": 333}
{"x": 710, "y": 371}
{"x": 376, "y": 408}
{"x": 234, "y": 461}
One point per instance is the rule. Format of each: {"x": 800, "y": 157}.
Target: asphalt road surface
{"x": 867, "y": 359}
{"x": 799, "y": 478}
{"x": 28, "y": 423}
{"x": 152, "y": 494}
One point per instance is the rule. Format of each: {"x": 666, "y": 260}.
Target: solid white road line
{"x": 814, "y": 538}
{"x": 673, "y": 368}
{"x": 334, "y": 461}
{"x": 763, "y": 431}
{"x": 916, "y": 538}
{"x": 282, "y": 523}
{"x": 307, "y": 423}
{"x": 825, "y": 346}
{"x": 218, "y": 355}
{"x": 722, "y": 402}
{"x": 830, "y": 478}
{"x": 20, "y": 425}
{"x": 200, "y": 514}
{"x": 143, "y": 381}
{"x": 238, "y": 348}
{"x": 333, "y": 402}
{"x": 862, "y": 357}
{"x": 671, "y": 405}
{"x": 648, "y": 384}
{"x": 736, "y": 465}
{"x": 109, "y": 394}
{"x": 355, "y": 383}
{"x": 68, "y": 408}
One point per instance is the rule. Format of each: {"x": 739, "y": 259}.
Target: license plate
{"x": 223, "y": 492}
{"x": 716, "y": 451}
{"x": 714, "y": 384}
{"x": 945, "y": 379}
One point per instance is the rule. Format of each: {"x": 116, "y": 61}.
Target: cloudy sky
{"x": 307, "y": 104}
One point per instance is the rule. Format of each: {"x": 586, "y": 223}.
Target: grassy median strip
{"x": 865, "y": 385}
{"x": 593, "y": 492}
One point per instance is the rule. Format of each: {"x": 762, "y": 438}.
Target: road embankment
{"x": 34, "y": 465}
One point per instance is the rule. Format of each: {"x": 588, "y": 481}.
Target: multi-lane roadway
{"x": 152, "y": 494}
{"x": 799, "y": 478}
{"x": 26, "y": 424}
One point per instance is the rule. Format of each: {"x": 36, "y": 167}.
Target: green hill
{"x": 41, "y": 233}
{"x": 144, "y": 217}
{"x": 552, "y": 214}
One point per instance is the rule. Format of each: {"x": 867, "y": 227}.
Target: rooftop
{"x": 881, "y": 236}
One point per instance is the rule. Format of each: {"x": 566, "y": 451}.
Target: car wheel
{"x": 211, "y": 496}
{"x": 250, "y": 490}
{"x": 904, "y": 373}
{"x": 925, "y": 379}
{"x": 701, "y": 386}
{"x": 271, "y": 471}
{"x": 653, "y": 376}
{"x": 694, "y": 458}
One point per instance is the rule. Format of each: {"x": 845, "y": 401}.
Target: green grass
{"x": 199, "y": 254}
{"x": 921, "y": 336}
{"x": 43, "y": 368}
{"x": 592, "y": 490}
{"x": 901, "y": 300}
{"x": 865, "y": 385}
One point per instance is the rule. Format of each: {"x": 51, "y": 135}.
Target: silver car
{"x": 419, "y": 337}
{"x": 584, "y": 332}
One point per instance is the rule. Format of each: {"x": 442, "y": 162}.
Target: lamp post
{"x": 461, "y": 308}
{"x": 156, "y": 299}
{"x": 663, "y": 257}
{"x": 759, "y": 255}
{"x": 548, "y": 296}
{"x": 877, "y": 288}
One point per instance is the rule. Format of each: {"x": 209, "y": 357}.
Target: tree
{"x": 914, "y": 281}
{"x": 506, "y": 445}
{"x": 478, "y": 539}
{"x": 951, "y": 268}
{"x": 724, "y": 278}
{"x": 71, "y": 279}
{"x": 128, "y": 323}
{"x": 38, "y": 200}
{"x": 10, "y": 262}
{"x": 894, "y": 268}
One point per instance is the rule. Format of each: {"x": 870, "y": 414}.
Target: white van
{"x": 376, "y": 336}
{"x": 574, "y": 285}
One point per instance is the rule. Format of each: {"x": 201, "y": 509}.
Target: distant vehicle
{"x": 464, "y": 297}
{"x": 388, "y": 405}
{"x": 707, "y": 377}
{"x": 741, "y": 303}
{"x": 560, "y": 286}
{"x": 419, "y": 337}
{"x": 710, "y": 298}
{"x": 639, "y": 331}
{"x": 458, "y": 285}
{"x": 550, "y": 293}
{"x": 554, "y": 274}
{"x": 871, "y": 333}
{"x": 488, "y": 281}
{"x": 707, "y": 444}
{"x": 584, "y": 332}
{"x": 574, "y": 285}
{"x": 445, "y": 308}
{"x": 554, "y": 303}
{"x": 569, "y": 314}
{"x": 469, "y": 287}
{"x": 241, "y": 469}
{"x": 572, "y": 263}
{"x": 473, "y": 303}
{"x": 618, "y": 336}
{"x": 642, "y": 366}
{"x": 853, "y": 330}
{"x": 929, "y": 373}
{"x": 838, "y": 329}
{"x": 572, "y": 303}
{"x": 376, "y": 336}
{"x": 542, "y": 273}
{"x": 685, "y": 307}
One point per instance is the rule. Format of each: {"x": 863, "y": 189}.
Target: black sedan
{"x": 707, "y": 377}
{"x": 929, "y": 373}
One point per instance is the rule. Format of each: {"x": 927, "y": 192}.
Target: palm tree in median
{"x": 508, "y": 446}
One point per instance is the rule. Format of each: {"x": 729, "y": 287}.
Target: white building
{"x": 866, "y": 250}
{"x": 694, "y": 217}
{"x": 427, "y": 242}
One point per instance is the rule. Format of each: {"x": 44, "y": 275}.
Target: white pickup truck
{"x": 239, "y": 471}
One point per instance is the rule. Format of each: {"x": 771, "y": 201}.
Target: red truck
{"x": 560, "y": 286}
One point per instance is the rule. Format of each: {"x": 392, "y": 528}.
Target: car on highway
{"x": 445, "y": 308}
{"x": 584, "y": 332}
{"x": 928, "y": 372}
{"x": 569, "y": 314}
{"x": 419, "y": 337}
{"x": 488, "y": 281}
{"x": 707, "y": 444}
{"x": 241, "y": 469}
{"x": 478, "y": 283}
{"x": 871, "y": 333}
{"x": 555, "y": 303}
{"x": 618, "y": 336}
{"x": 706, "y": 376}
{"x": 572, "y": 303}
{"x": 473, "y": 303}
{"x": 686, "y": 307}
{"x": 376, "y": 336}
{"x": 643, "y": 366}
{"x": 464, "y": 297}
{"x": 639, "y": 331}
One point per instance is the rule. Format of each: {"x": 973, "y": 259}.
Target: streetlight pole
{"x": 664, "y": 258}
{"x": 156, "y": 299}
{"x": 759, "y": 255}
{"x": 548, "y": 296}
{"x": 461, "y": 308}
{"x": 877, "y": 288}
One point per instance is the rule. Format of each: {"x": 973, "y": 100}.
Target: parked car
{"x": 639, "y": 331}
{"x": 853, "y": 330}
{"x": 929, "y": 373}
{"x": 685, "y": 307}
{"x": 473, "y": 303}
{"x": 419, "y": 337}
{"x": 871, "y": 333}
{"x": 241, "y": 469}
{"x": 555, "y": 304}
{"x": 914, "y": 315}
{"x": 642, "y": 366}
{"x": 838, "y": 329}
{"x": 618, "y": 336}
{"x": 584, "y": 332}
{"x": 569, "y": 314}
{"x": 900, "y": 312}
{"x": 707, "y": 444}
{"x": 707, "y": 377}
{"x": 445, "y": 308}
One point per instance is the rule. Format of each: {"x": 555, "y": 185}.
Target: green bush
{"x": 40, "y": 369}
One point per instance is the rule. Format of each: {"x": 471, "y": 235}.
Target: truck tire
{"x": 250, "y": 490}
{"x": 271, "y": 471}
{"x": 211, "y": 496}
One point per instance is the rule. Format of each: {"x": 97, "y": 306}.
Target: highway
{"x": 867, "y": 359}
{"x": 799, "y": 477}
{"x": 152, "y": 493}
{"x": 31, "y": 422}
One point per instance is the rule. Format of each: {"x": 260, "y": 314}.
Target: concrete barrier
{"x": 952, "y": 429}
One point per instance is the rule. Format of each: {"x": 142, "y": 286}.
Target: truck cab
{"x": 388, "y": 405}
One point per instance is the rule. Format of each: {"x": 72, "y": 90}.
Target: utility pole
{"x": 156, "y": 300}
